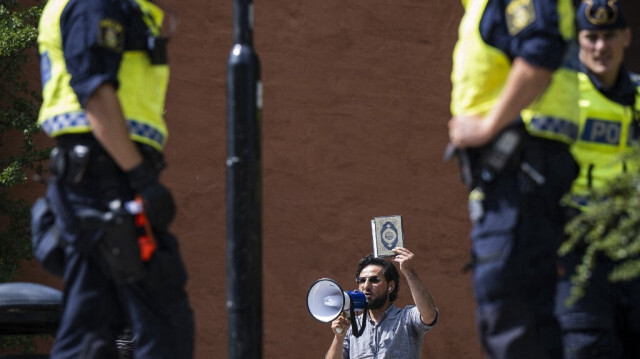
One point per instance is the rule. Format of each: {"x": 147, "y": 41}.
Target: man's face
{"x": 374, "y": 286}
{"x": 602, "y": 51}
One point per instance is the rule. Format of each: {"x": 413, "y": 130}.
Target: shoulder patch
{"x": 519, "y": 14}
{"x": 111, "y": 35}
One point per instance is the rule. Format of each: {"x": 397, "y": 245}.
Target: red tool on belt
{"x": 146, "y": 240}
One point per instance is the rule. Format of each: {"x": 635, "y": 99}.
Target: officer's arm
{"x": 524, "y": 84}
{"x": 110, "y": 128}
{"x": 538, "y": 48}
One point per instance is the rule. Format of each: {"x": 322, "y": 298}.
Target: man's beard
{"x": 378, "y": 302}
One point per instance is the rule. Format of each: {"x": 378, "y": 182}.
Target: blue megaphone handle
{"x": 358, "y": 301}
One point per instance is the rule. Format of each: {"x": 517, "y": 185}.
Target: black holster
{"x": 481, "y": 165}
{"x": 79, "y": 159}
{"x": 70, "y": 164}
{"x": 118, "y": 245}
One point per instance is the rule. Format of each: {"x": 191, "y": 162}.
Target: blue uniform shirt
{"x": 539, "y": 41}
{"x": 623, "y": 91}
{"x": 94, "y": 36}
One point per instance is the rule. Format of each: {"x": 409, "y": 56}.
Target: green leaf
{"x": 609, "y": 228}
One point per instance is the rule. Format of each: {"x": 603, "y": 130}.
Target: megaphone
{"x": 326, "y": 301}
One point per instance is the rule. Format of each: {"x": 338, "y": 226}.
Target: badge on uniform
{"x": 520, "y": 14}
{"x": 111, "y": 35}
{"x": 602, "y": 14}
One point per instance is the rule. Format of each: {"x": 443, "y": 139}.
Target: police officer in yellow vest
{"x": 104, "y": 75}
{"x": 605, "y": 322}
{"x": 514, "y": 113}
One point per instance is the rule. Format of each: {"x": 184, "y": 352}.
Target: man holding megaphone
{"x": 391, "y": 332}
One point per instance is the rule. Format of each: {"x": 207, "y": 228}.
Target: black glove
{"x": 158, "y": 202}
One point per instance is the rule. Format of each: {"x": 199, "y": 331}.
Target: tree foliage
{"x": 18, "y": 113}
{"x": 610, "y": 228}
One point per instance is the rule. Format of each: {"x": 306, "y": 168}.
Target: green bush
{"x": 18, "y": 113}
{"x": 609, "y": 228}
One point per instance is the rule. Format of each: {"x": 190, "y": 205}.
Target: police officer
{"x": 104, "y": 73}
{"x": 605, "y": 321}
{"x": 514, "y": 114}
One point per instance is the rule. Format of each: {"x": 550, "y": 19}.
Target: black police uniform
{"x": 107, "y": 285}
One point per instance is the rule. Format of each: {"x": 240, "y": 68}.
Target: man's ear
{"x": 627, "y": 37}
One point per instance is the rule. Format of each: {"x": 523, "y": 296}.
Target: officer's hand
{"x": 158, "y": 205}
{"x": 340, "y": 325}
{"x": 470, "y": 131}
{"x": 158, "y": 202}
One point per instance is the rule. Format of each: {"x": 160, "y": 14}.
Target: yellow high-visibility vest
{"x": 141, "y": 92}
{"x": 605, "y": 136}
{"x": 480, "y": 72}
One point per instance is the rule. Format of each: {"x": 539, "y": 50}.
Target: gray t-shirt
{"x": 398, "y": 335}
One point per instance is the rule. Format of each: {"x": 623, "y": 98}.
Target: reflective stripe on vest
{"x": 566, "y": 131}
{"x": 77, "y": 122}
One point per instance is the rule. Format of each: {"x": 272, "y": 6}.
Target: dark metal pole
{"x": 244, "y": 195}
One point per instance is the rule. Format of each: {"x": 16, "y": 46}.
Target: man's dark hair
{"x": 388, "y": 270}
